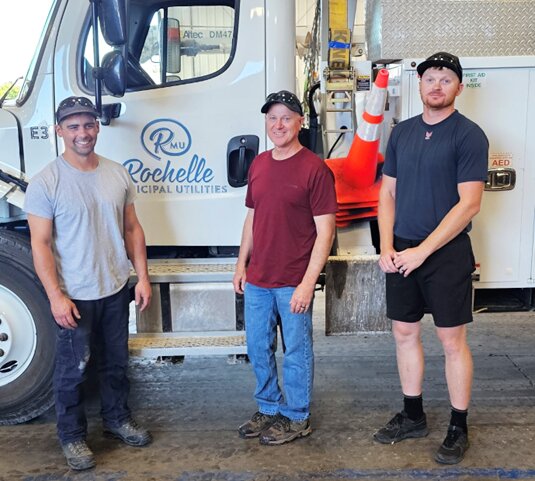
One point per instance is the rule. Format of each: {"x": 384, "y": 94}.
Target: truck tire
{"x": 27, "y": 334}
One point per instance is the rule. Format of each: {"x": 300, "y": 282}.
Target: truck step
{"x": 189, "y": 270}
{"x": 152, "y": 345}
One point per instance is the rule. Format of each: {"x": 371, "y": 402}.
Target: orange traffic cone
{"x": 360, "y": 166}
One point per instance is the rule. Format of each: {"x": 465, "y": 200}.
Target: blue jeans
{"x": 103, "y": 332}
{"x": 261, "y": 309}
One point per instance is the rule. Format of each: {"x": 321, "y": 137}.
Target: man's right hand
{"x": 65, "y": 312}
{"x": 386, "y": 261}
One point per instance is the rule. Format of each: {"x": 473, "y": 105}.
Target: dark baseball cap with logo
{"x": 283, "y": 97}
{"x": 75, "y": 105}
{"x": 442, "y": 59}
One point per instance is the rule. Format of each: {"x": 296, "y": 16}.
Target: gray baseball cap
{"x": 75, "y": 105}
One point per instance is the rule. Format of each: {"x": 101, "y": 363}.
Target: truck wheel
{"x": 27, "y": 335}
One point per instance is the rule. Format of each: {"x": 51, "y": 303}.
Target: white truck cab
{"x": 180, "y": 85}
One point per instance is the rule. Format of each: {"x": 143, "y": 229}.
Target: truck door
{"x": 190, "y": 121}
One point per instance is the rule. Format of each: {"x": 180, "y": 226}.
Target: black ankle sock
{"x": 413, "y": 406}
{"x": 458, "y": 418}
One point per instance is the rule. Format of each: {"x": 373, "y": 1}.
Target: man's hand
{"x": 143, "y": 294}
{"x": 408, "y": 260}
{"x": 64, "y": 312}
{"x": 239, "y": 280}
{"x": 302, "y": 298}
{"x": 386, "y": 261}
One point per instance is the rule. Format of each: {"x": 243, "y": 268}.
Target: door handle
{"x": 503, "y": 178}
{"x": 241, "y": 151}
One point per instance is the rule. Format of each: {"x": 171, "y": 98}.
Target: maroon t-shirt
{"x": 286, "y": 195}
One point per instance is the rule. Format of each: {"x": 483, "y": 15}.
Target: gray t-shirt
{"x": 87, "y": 209}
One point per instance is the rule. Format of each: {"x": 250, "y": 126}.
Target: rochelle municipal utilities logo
{"x": 165, "y": 137}
{"x": 168, "y": 141}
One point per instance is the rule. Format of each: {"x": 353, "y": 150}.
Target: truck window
{"x": 199, "y": 43}
{"x": 45, "y": 9}
{"x": 172, "y": 44}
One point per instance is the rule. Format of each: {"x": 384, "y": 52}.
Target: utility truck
{"x": 179, "y": 84}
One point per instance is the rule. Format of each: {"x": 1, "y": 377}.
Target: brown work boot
{"x": 258, "y": 423}
{"x": 129, "y": 433}
{"x": 78, "y": 455}
{"x": 284, "y": 430}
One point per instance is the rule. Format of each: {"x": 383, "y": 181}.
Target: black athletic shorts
{"x": 443, "y": 283}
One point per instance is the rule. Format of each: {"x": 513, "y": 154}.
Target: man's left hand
{"x": 409, "y": 260}
{"x": 301, "y": 299}
{"x": 143, "y": 293}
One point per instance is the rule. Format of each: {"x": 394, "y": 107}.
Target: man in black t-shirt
{"x": 433, "y": 179}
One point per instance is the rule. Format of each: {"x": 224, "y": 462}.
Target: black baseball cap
{"x": 283, "y": 97}
{"x": 442, "y": 59}
{"x": 75, "y": 105}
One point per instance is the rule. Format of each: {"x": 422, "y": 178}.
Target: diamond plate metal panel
{"x": 471, "y": 28}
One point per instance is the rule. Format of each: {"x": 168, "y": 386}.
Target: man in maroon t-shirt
{"x": 287, "y": 237}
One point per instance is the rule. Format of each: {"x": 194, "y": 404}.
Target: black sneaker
{"x": 454, "y": 446}
{"x": 258, "y": 423}
{"x": 400, "y": 427}
{"x": 129, "y": 433}
{"x": 78, "y": 455}
{"x": 284, "y": 430}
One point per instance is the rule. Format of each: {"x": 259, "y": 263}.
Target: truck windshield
{"x": 28, "y": 40}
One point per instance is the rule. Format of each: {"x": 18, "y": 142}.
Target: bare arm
{"x": 63, "y": 309}
{"x": 452, "y": 224}
{"x": 246, "y": 246}
{"x": 387, "y": 211}
{"x": 304, "y": 292}
{"x": 134, "y": 240}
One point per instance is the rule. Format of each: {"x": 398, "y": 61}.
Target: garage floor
{"x": 193, "y": 410}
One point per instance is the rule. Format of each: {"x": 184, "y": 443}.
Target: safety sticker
{"x": 475, "y": 80}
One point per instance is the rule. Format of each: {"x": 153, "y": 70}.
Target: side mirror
{"x": 112, "y": 16}
{"x": 114, "y": 73}
{"x": 174, "y": 63}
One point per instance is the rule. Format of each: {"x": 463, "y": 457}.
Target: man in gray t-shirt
{"x": 84, "y": 231}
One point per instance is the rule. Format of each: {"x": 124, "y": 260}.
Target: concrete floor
{"x": 193, "y": 410}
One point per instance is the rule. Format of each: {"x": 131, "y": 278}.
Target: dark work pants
{"x": 102, "y": 332}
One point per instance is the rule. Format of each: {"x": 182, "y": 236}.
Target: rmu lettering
{"x": 195, "y": 173}
{"x": 165, "y": 137}
{"x": 162, "y": 137}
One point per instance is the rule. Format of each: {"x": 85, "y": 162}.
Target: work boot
{"x": 78, "y": 455}
{"x": 454, "y": 446}
{"x": 401, "y": 427}
{"x": 129, "y": 433}
{"x": 258, "y": 423}
{"x": 284, "y": 430}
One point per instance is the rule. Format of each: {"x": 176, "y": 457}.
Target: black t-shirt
{"x": 428, "y": 161}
